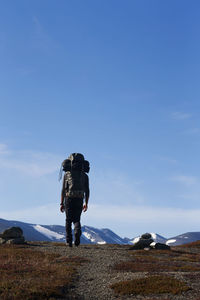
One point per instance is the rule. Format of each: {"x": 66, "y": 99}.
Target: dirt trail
{"x": 95, "y": 276}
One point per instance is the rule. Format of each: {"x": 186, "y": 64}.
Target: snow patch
{"x": 153, "y": 244}
{"x": 154, "y": 236}
{"x": 48, "y": 233}
{"x": 170, "y": 242}
{"x": 88, "y": 236}
{"x": 101, "y": 243}
{"x": 135, "y": 240}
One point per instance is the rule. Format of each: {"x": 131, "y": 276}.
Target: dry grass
{"x": 58, "y": 244}
{"x": 160, "y": 261}
{"x": 150, "y": 285}
{"x": 131, "y": 266}
{"x": 31, "y": 274}
{"x": 166, "y": 255}
{"x": 155, "y": 263}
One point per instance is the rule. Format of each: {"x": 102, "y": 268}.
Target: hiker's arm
{"x": 85, "y": 206}
{"x": 62, "y": 196}
{"x": 87, "y": 195}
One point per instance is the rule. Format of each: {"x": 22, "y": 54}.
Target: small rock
{"x": 147, "y": 249}
{"x": 2, "y": 241}
{"x": 16, "y": 241}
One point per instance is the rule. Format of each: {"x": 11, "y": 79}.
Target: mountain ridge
{"x": 90, "y": 235}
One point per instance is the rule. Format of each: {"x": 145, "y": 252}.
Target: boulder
{"x": 12, "y": 235}
{"x": 160, "y": 246}
{"x": 146, "y": 242}
{"x": 146, "y": 236}
{"x": 141, "y": 244}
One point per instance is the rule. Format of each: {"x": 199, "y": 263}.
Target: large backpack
{"x": 74, "y": 162}
{"x": 75, "y": 184}
{"x": 75, "y": 166}
{"x": 77, "y": 161}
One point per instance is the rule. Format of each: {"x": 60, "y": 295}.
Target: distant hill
{"x": 56, "y": 233}
{"x": 184, "y": 238}
{"x": 90, "y": 235}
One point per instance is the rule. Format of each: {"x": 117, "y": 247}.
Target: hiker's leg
{"x": 76, "y": 220}
{"x": 77, "y": 228}
{"x": 69, "y": 216}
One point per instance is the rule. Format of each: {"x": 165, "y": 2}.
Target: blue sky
{"x": 117, "y": 81}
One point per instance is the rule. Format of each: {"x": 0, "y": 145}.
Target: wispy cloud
{"x": 31, "y": 163}
{"x": 193, "y": 131}
{"x": 168, "y": 159}
{"x": 115, "y": 186}
{"x": 2, "y": 42}
{"x": 42, "y": 39}
{"x": 124, "y": 220}
{"x": 139, "y": 213}
{"x": 44, "y": 214}
{"x": 25, "y": 71}
{"x": 185, "y": 180}
{"x": 140, "y": 219}
{"x": 4, "y": 149}
{"x": 180, "y": 115}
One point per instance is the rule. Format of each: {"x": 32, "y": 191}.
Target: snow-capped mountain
{"x": 56, "y": 233}
{"x": 90, "y": 235}
{"x": 184, "y": 238}
{"x": 101, "y": 236}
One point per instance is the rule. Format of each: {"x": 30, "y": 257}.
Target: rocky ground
{"x": 95, "y": 276}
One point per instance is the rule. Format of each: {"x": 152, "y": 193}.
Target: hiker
{"x": 75, "y": 189}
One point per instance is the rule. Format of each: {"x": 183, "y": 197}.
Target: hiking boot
{"x": 69, "y": 244}
{"x": 77, "y": 240}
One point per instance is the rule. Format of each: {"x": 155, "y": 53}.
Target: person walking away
{"x": 75, "y": 190}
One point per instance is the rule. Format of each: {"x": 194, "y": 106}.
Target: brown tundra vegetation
{"x": 46, "y": 270}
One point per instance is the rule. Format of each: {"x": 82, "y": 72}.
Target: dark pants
{"x": 73, "y": 209}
